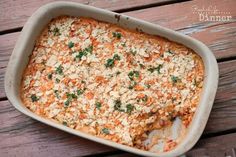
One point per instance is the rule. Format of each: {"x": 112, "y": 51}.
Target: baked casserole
{"x": 111, "y": 82}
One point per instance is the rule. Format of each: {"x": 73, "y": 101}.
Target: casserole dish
{"x": 41, "y": 18}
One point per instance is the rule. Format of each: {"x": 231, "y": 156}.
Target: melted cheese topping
{"x": 111, "y": 82}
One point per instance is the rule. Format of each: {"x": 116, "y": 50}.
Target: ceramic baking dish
{"x": 41, "y": 18}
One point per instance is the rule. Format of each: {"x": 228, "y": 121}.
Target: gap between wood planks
{"x": 121, "y": 10}
{"x": 205, "y": 136}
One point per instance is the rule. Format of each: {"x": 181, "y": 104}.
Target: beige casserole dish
{"x": 34, "y": 26}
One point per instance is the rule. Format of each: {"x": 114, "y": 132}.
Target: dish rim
{"x": 207, "y": 97}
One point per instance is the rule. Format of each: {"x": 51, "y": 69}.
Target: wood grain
{"x": 220, "y": 38}
{"x": 20, "y": 133}
{"x": 15, "y": 13}
{"x": 220, "y": 146}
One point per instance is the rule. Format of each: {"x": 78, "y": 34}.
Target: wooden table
{"x": 23, "y": 136}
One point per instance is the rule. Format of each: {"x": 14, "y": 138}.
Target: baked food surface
{"x": 111, "y": 82}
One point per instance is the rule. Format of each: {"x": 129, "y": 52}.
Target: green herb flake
{"x": 50, "y": 76}
{"x": 98, "y": 105}
{"x": 66, "y": 103}
{"x": 84, "y": 52}
{"x": 129, "y": 108}
{"x": 145, "y": 98}
{"x": 118, "y": 73}
{"x": 34, "y": 98}
{"x": 105, "y": 131}
{"x": 110, "y": 62}
{"x": 133, "y": 74}
{"x": 59, "y": 70}
{"x": 117, "y": 35}
{"x": 158, "y": 68}
{"x": 64, "y": 123}
{"x": 170, "y": 52}
{"x": 174, "y": 79}
{"x": 117, "y": 105}
{"x": 57, "y": 80}
{"x": 116, "y": 57}
{"x": 89, "y": 49}
{"x": 71, "y": 44}
{"x": 80, "y": 91}
{"x": 132, "y": 84}
{"x": 56, "y": 93}
{"x": 70, "y": 97}
{"x": 56, "y": 31}
{"x": 141, "y": 65}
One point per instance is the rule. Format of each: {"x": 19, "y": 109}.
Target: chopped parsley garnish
{"x": 132, "y": 84}
{"x": 129, "y": 108}
{"x": 64, "y": 123}
{"x": 117, "y": 105}
{"x": 141, "y": 65}
{"x": 57, "y": 80}
{"x": 158, "y": 68}
{"x": 111, "y": 61}
{"x": 56, "y": 31}
{"x": 71, "y": 44}
{"x": 81, "y": 54}
{"x": 171, "y": 52}
{"x": 84, "y": 52}
{"x": 59, "y": 70}
{"x": 118, "y": 72}
{"x": 174, "y": 79}
{"x": 56, "y": 93}
{"x": 105, "y": 131}
{"x": 133, "y": 74}
{"x": 50, "y": 76}
{"x": 116, "y": 57}
{"x": 34, "y": 98}
{"x": 70, "y": 97}
{"x": 145, "y": 98}
{"x": 123, "y": 44}
{"x": 67, "y": 102}
{"x": 80, "y": 91}
{"x": 98, "y": 105}
{"x": 117, "y": 35}
{"x": 89, "y": 49}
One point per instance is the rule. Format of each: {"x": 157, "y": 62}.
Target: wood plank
{"x": 221, "y": 38}
{"x": 15, "y": 13}
{"x": 220, "y": 146}
{"x": 19, "y": 133}
{"x": 223, "y": 115}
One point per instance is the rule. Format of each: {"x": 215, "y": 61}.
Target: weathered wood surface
{"x": 22, "y": 136}
{"x": 220, "y": 146}
{"x": 15, "y": 13}
{"x": 20, "y": 133}
{"x": 220, "y": 38}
